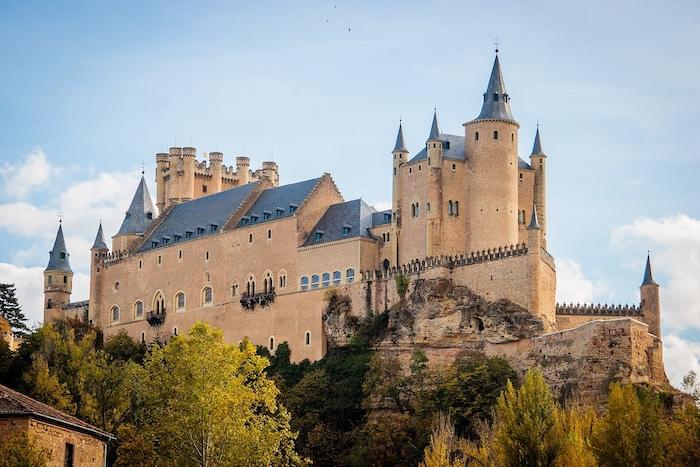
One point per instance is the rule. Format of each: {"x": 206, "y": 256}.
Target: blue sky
{"x": 90, "y": 90}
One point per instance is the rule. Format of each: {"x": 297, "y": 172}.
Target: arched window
{"x": 350, "y": 276}
{"x": 250, "y": 287}
{"x": 304, "y": 284}
{"x": 449, "y": 208}
{"x": 234, "y": 290}
{"x": 512, "y": 137}
{"x": 336, "y": 278}
{"x": 114, "y": 313}
{"x": 175, "y": 331}
{"x": 283, "y": 279}
{"x": 326, "y": 280}
{"x": 49, "y": 303}
{"x": 456, "y": 208}
{"x": 495, "y": 134}
{"x": 207, "y": 296}
{"x": 138, "y": 310}
{"x": 272, "y": 343}
{"x": 307, "y": 338}
{"x": 268, "y": 284}
{"x": 180, "y": 301}
{"x": 314, "y": 281}
{"x": 159, "y": 304}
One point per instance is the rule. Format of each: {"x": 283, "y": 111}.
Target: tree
{"x": 11, "y": 311}
{"x": 207, "y": 403}
{"x": 122, "y": 348}
{"x": 19, "y": 449}
{"x": 691, "y": 385}
{"x": 385, "y": 382}
{"x": 443, "y": 443}
{"x": 615, "y": 436}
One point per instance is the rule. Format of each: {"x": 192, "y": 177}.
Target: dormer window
{"x": 201, "y": 230}
{"x": 254, "y": 218}
{"x": 244, "y": 220}
{"x": 318, "y": 235}
{"x": 279, "y": 211}
{"x": 346, "y": 229}
{"x": 177, "y": 238}
{"x": 495, "y": 97}
{"x": 63, "y": 255}
{"x": 446, "y": 144}
{"x": 149, "y": 215}
{"x": 213, "y": 227}
{"x": 154, "y": 244}
{"x": 266, "y": 215}
{"x": 165, "y": 240}
{"x": 387, "y": 217}
{"x": 292, "y": 208}
{"x": 188, "y": 233}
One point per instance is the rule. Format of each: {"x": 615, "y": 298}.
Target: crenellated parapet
{"x": 114, "y": 257}
{"x": 591, "y": 309}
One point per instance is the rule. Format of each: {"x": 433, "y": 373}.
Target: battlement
{"x": 451, "y": 262}
{"x": 114, "y": 257}
{"x": 598, "y": 309}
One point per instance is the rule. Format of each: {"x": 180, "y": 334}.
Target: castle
{"x": 236, "y": 249}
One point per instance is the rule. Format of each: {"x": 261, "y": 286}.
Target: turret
{"x": 243, "y": 169}
{"x": 271, "y": 171}
{"x": 161, "y": 180}
{"x": 175, "y": 170}
{"x": 400, "y": 157}
{"x": 434, "y": 146}
{"x": 216, "y": 160}
{"x": 58, "y": 279}
{"x": 186, "y": 192}
{"x": 539, "y": 304}
{"x": 97, "y": 252}
{"x": 651, "y": 307}
{"x": 537, "y": 162}
{"x": 137, "y": 218}
{"x": 491, "y": 142}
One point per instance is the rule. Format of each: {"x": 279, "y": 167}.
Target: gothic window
{"x": 325, "y": 280}
{"x": 336, "y": 278}
{"x": 234, "y": 290}
{"x": 282, "y": 279}
{"x": 304, "y": 283}
{"x": 180, "y": 301}
{"x": 268, "y": 283}
{"x": 495, "y": 135}
{"x": 250, "y": 287}
{"x": 314, "y": 281}
{"x": 138, "y": 310}
{"x": 350, "y": 276}
{"x": 115, "y": 314}
{"x": 159, "y": 304}
{"x": 207, "y": 296}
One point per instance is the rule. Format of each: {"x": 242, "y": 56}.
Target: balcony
{"x": 263, "y": 299}
{"x": 155, "y": 319}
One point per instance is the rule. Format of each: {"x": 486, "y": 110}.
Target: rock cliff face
{"x": 447, "y": 321}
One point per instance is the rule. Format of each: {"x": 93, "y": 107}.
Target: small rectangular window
{"x": 269, "y": 233}
{"x": 69, "y": 459}
{"x": 204, "y": 188}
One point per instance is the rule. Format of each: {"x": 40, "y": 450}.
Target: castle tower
{"x": 138, "y": 217}
{"x": 491, "y": 142}
{"x": 537, "y": 162}
{"x": 187, "y": 178}
{"x": 538, "y": 305}
{"x": 216, "y": 161}
{"x": 651, "y": 307}
{"x": 434, "y": 146}
{"x": 58, "y": 279}
{"x": 400, "y": 157}
{"x": 271, "y": 171}
{"x": 162, "y": 175}
{"x": 243, "y": 169}
{"x": 97, "y": 252}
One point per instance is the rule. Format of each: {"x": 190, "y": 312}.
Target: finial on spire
{"x": 648, "y": 278}
{"x": 496, "y": 42}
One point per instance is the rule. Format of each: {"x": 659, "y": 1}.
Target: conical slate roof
{"x": 434, "y": 130}
{"x": 58, "y": 256}
{"x": 99, "y": 243}
{"x": 140, "y": 213}
{"x": 537, "y": 146}
{"x": 496, "y": 100}
{"x": 400, "y": 146}
{"x": 534, "y": 223}
{"x": 648, "y": 279}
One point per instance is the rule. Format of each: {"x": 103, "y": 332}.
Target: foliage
{"x": 691, "y": 385}
{"x": 11, "y": 311}
{"x": 443, "y": 443}
{"x": 122, "y": 348}
{"x": 19, "y": 449}
{"x": 402, "y": 283}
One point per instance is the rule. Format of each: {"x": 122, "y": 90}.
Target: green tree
{"x": 19, "y": 449}
{"x": 615, "y": 438}
{"x": 691, "y": 385}
{"x": 121, "y": 347}
{"x": 11, "y": 311}
{"x": 683, "y": 443}
{"x": 208, "y": 403}
{"x": 385, "y": 383}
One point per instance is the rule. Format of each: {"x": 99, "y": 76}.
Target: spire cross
{"x": 496, "y": 42}
{"x": 143, "y": 169}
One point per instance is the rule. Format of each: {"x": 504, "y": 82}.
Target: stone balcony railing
{"x": 155, "y": 319}
{"x": 263, "y": 299}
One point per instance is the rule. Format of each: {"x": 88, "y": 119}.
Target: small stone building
{"x": 67, "y": 440}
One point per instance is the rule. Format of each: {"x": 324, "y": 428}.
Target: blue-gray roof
{"x": 381, "y": 218}
{"x": 58, "y": 256}
{"x": 453, "y": 148}
{"x": 434, "y": 130}
{"x": 350, "y": 219}
{"x": 648, "y": 278}
{"x": 537, "y": 146}
{"x": 99, "y": 243}
{"x": 140, "y": 213}
{"x": 496, "y": 104}
{"x": 534, "y": 222}
{"x": 278, "y": 202}
{"x": 400, "y": 146}
{"x": 197, "y": 218}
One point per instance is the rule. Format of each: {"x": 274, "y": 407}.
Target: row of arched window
{"x": 326, "y": 279}
{"x": 179, "y": 301}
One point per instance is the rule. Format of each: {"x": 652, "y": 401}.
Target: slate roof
{"x": 648, "y": 278}
{"x": 137, "y": 219}
{"x": 381, "y": 218}
{"x": 537, "y": 146}
{"x": 99, "y": 243}
{"x": 15, "y": 404}
{"x": 58, "y": 256}
{"x": 454, "y": 151}
{"x": 197, "y": 217}
{"x": 400, "y": 146}
{"x": 434, "y": 130}
{"x": 274, "y": 203}
{"x": 498, "y": 109}
{"x": 534, "y": 223}
{"x": 350, "y": 219}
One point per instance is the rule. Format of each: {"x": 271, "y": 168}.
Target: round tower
{"x": 187, "y": 182}
{"x": 491, "y": 146}
{"x": 400, "y": 157}
{"x": 97, "y": 253}
{"x": 216, "y": 160}
{"x": 650, "y": 304}
{"x": 161, "y": 182}
{"x": 243, "y": 169}
{"x": 434, "y": 148}
{"x": 58, "y": 280}
{"x": 174, "y": 175}
{"x": 538, "y": 163}
{"x": 271, "y": 171}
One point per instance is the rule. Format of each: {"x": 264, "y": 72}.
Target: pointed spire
{"x": 648, "y": 279}
{"x": 537, "y": 146}
{"x": 434, "y": 130}
{"x": 496, "y": 100}
{"x": 99, "y": 243}
{"x": 534, "y": 223}
{"x": 140, "y": 213}
{"x": 400, "y": 146}
{"x": 58, "y": 256}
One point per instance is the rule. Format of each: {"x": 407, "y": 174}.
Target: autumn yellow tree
{"x": 20, "y": 449}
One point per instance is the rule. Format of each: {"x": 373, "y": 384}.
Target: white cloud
{"x": 675, "y": 245}
{"x": 680, "y": 356}
{"x": 574, "y": 287}
{"x": 31, "y": 173}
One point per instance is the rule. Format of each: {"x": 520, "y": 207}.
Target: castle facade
{"x": 255, "y": 258}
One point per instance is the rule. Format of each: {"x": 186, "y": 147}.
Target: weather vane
{"x": 496, "y": 42}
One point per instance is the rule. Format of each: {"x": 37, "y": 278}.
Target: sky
{"x": 91, "y": 91}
